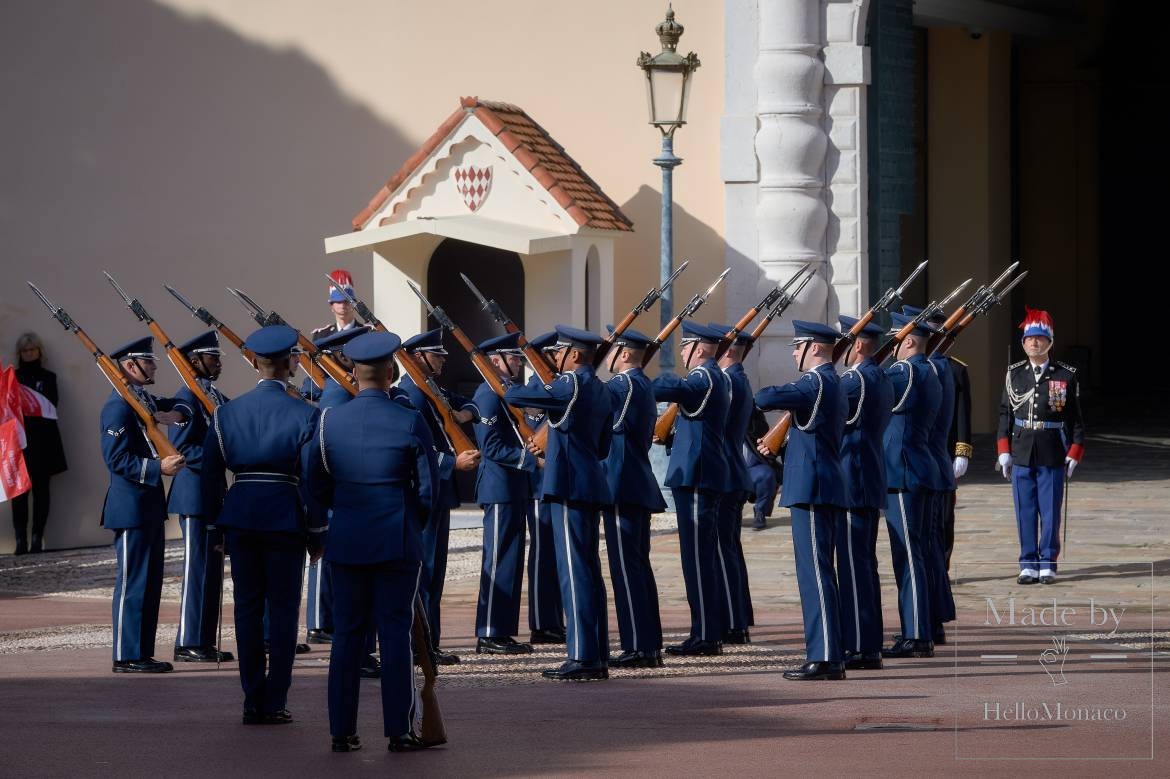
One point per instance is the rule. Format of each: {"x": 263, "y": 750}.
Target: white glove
{"x": 960, "y": 466}
{"x": 1005, "y": 464}
{"x": 1070, "y": 465}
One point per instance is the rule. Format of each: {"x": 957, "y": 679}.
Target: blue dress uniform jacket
{"x": 505, "y": 464}
{"x": 739, "y": 416}
{"x": 863, "y": 460}
{"x": 917, "y": 394}
{"x": 186, "y": 496}
{"x": 135, "y": 497}
{"x": 631, "y": 479}
{"x": 445, "y": 453}
{"x": 580, "y": 426}
{"x": 940, "y": 431}
{"x": 812, "y": 464}
{"x": 697, "y": 456}
{"x": 258, "y": 436}
{"x": 373, "y": 464}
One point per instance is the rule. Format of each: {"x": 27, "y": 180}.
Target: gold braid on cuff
{"x": 964, "y": 450}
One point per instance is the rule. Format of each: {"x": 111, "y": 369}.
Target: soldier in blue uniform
{"x": 863, "y": 464}
{"x": 910, "y": 471}
{"x": 580, "y": 421}
{"x": 265, "y": 438}
{"x": 319, "y": 605}
{"x": 426, "y": 349}
{"x": 546, "y": 618}
{"x": 199, "y": 598}
{"x": 814, "y": 491}
{"x": 635, "y": 498}
{"x": 763, "y": 470}
{"x": 734, "y": 588}
{"x": 135, "y": 509}
{"x": 697, "y": 474}
{"x": 380, "y": 494}
{"x": 1041, "y": 440}
{"x": 502, "y": 489}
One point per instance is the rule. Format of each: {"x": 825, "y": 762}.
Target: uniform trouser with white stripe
{"x": 577, "y": 532}
{"x": 734, "y": 598}
{"x": 319, "y": 605}
{"x": 697, "y": 539}
{"x": 861, "y": 598}
{"x": 266, "y": 573}
{"x": 814, "y": 530}
{"x": 1037, "y": 492}
{"x": 436, "y": 537}
{"x": 635, "y": 593}
{"x": 380, "y": 598}
{"x": 942, "y": 602}
{"x": 502, "y": 573}
{"x": 544, "y": 591}
{"x": 907, "y": 524}
{"x": 137, "y": 590}
{"x": 202, "y": 580}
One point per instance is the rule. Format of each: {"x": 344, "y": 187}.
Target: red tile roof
{"x": 533, "y": 148}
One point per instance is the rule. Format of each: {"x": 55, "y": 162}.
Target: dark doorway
{"x": 499, "y": 275}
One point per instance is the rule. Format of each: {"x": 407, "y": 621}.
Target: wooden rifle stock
{"x": 324, "y": 364}
{"x": 607, "y": 341}
{"x": 183, "y": 366}
{"x": 459, "y": 440}
{"x": 433, "y": 731}
{"x": 948, "y": 340}
{"x": 488, "y": 371}
{"x": 937, "y": 338}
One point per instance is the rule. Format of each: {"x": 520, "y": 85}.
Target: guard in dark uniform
{"x": 135, "y": 509}
{"x": 959, "y": 444}
{"x": 265, "y": 437}
{"x": 580, "y": 422}
{"x": 1041, "y": 440}
{"x": 697, "y": 474}
{"x": 380, "y": 496}
{"x": 546, "y": 618}
{"x": 736, "y": 593}
{"x": 910, "y": 471}
{"x": 863, "y": 463}
{"x": 814, "y": 491}
{"x": 426, "y": 349}
{"x": 502, "y": 489}
{"x": 202, "y": 544}
{"x": 635, "y": 498}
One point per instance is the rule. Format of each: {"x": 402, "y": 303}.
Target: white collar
{"x": 1043, "y": 367}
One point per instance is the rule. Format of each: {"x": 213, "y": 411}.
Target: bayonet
{"x": 1003, "y": 276}
{"x": 654, "y": 294}
{"x": 359, "y": 306}
{"x": 439, "y": 314}
{"x": 699, "y": 299}
{"x": 490, "y": 306}
{"x": 997, "y": 297}
{"x": 200, "y": 313}
{"x": 893, "y": 296}
{"x": 131, "y": 303}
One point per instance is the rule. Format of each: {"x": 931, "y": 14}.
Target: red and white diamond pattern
{"x": 474, "y": 184}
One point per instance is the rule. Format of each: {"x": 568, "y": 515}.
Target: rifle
{"x": 315, "y": 363}
{"x": 459, "y": 440}
{"x": 433, "y": 733}
{"x": 651, "y": 297}
{"x": 896, "y": 339}
{"x": 774, "y": 302}
{"x": 774, "y": 438}
{"x": 693, "y": 305}
{"x": 205, "y": 316}
{"x": 989, "y": 300}
{"x": 535, "y": 358}
{"x": 478, "y": 359}
{"x": 181, "y": 363}
{"x": 958, "y": 314}
{"x": 113, "y": 373}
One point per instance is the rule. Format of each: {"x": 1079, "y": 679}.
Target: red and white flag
{"x": 13, "y": 474}
{"x": 34, "y": 404}
{"x": 11, "y": 405}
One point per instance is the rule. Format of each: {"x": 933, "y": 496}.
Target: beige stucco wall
{"x": 213, "y": 142}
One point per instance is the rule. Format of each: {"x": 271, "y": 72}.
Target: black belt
{"x": 272, "y": 478}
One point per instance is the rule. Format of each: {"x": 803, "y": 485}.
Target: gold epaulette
{"x": 964, "y": 450}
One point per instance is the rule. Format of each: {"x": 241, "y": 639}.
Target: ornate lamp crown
{"x": 669, "y": 31}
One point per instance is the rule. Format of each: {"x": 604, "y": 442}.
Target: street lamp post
{"x": 668, "y": 88}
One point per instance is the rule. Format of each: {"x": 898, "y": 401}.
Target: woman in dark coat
{"x": 44, "y": 455}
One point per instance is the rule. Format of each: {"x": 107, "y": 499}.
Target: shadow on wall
{"x": 636, "y": 262}
{"x": 164, "y": 148}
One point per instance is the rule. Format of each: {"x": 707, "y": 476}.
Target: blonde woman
{"x": 44, "y": 455}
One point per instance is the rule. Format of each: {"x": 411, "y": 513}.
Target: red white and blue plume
{"x": 1037, "y": 322}
{"x": 343, "y": 279}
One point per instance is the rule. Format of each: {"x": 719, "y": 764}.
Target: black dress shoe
{"x": 695, "y": 646}
{"x": 320, "y": 637}
{"x": 193, "y": 654}
{"x": 224, "y": 656}
{"x": 760, "y": 523}
{"x": 407, "y": 742}
{"x": 446, "y": 658}
{"x": 863, "y": 661}
{"x": 371, "y": 668}
{"x": 346, "y": 744}
{"x": 939, "y": 635}
{"x": 145, "y": 665}
{"x": 577, "y": 671}
{"x": 637, "y": 660}
{"x": 810, "y": 672}
{"x": 501, "y": 645}
{"x": 737, "y": 637}
{"x": 36, "y": 545}
{"x": 253, "y": 717}
{"x": 1026, "y": 578}
{"x": 302, "y": 649}
{"x": 21, "y": 547}
{"x": 547, "y": 637}
{"x": 282, "y": 717}
{"x": 910, "y": 647}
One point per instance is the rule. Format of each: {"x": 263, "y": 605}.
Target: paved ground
{"x": 986, "y": 699}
